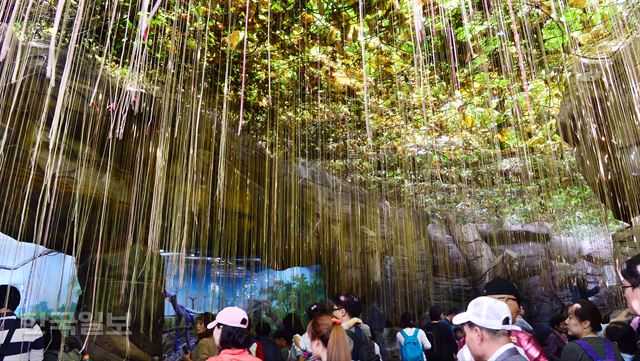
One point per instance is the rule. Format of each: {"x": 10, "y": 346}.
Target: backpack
{"x": 363, "y": 348}
{"x": 411, "y": 349}
{"x": 586, "y": 347}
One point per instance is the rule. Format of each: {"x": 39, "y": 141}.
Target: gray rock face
{"x": 626, "y": 243}
{"x": 451, "y": 290}
{"x": 543, "y": 264}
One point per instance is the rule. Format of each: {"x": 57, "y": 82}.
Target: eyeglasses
{"x": 505, "y": 299}
{"x": 337, "y": 308}
{"x": 624, "y": 287}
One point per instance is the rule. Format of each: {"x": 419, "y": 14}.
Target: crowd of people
{"x": 490, "y": 329}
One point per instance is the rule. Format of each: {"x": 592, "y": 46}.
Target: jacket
{"x": 529, "y": 344}
{"x": 234, "y": 355}
{"x": 555, "y": 343}
{"x": 204, "y": 349}
{"x": 511, "y": 354}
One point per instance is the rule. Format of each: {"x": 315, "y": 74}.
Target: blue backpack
{"x": 411, "y": 348}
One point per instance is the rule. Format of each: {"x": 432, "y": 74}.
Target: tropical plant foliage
{"x": 452, "y": 100}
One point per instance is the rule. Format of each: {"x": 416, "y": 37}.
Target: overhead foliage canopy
{"x": 453, "y": 101}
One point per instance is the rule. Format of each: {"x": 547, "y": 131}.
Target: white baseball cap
{"x": 487, "y": 312}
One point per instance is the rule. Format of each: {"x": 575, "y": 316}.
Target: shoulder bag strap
{"x": 584, "y": 345}
{"x": 609, "y": 350}
{"x": 360, "y": 334}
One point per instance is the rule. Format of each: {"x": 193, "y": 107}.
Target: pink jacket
{"x": 529, "y": 344}
{"x": 234, "y": 355}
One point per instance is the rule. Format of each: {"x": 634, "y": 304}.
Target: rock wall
{"x": 600, "y": 118}
{"x": 543, "y": 262}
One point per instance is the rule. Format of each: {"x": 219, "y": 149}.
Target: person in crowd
{"x": 459, "y": 334}
{"x": 557, "y": 338}
{"x": 292, "y": 325}
{"x": 444, "y": 346}
{"x": 583, "y": 323}
{"x": 303, "y": 342}
{"x": 487, "y": 325}
{"x": 506, "y": 291}
{"x": 205, "y": 346}
{"x": 448, "y": 317}
{"x": 284, "y": 344}
{"x": 377, "y": 323}
{"x": 522, "y": 323}
{"x": 630, "y": 275}
{"x": 377, "y": 335}
{"x": 606, "y": 319}
{"x": 52, "y": 339}
{"x": 20, "y": 342}
{"x": 347, "y": 306}
{"x": 411, "y": 340}
{"x": 624, "y": 337}
{"x": 72, "y": 350}
{"x": 580, "y": 289}
{"x": 269, "y": 349}
{"x": 328, "y": 340}
{"x": 231, "y": 335}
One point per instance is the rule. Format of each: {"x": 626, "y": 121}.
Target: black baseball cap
{"x": 502, "y": 286}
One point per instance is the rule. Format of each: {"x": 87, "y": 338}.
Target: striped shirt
{"x": 27, "y": 343}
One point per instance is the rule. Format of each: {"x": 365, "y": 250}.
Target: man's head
{"x": 9, "y": 297}
{"x": 487, "y": 325}
{"x": 451, "y": 312}
{"x": 346, "y": 306}
{"x": 506, "y": 291}
{"x": 435, "y": 313}
{"x": 630, "y": 275}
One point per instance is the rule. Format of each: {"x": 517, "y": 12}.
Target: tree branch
{"x": 23, "y": 263}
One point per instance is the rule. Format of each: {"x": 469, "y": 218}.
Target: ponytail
{"x": 333, "y": 337}
{"x": 338, "y": 347}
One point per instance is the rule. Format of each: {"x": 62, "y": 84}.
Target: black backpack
{"x": 363, "y": 349}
